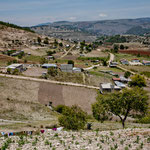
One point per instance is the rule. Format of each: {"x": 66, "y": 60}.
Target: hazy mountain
{"x": 90, "y": 29}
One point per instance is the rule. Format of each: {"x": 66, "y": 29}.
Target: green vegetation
{"x": 71, "y": 62}
{"x": 137, "y": 80}
{"x": 61, "y": 108}
{"x": 115, "y": 48}
{"x": 46, "y": 40}
{"x": 16, "y": 27}
{"x": 73, "y": 118}
{"x": 127, "y": 74}
{"x": 52, "y": 71}
{"x": 146, "y": 73}
{"x": 49, "y": 53}
{"x": 120, "y": 104}
{"x": 113, "y": 39}
{"x": 33, "y": 58}
{"x": 146, "y": 119}
{"x": 39, "y": 40}
{"x": 138, "y": 30}
{"x": 92, "y": 58}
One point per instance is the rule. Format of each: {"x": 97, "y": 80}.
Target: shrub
{"x": 61, "y": 108}
{"x": 145, "y": 119}
{"x": 71, "y": 62}
{"x": 127, "y": 74}
{"x": 137, "y": 80}
{"x": 52, "y": 71}
{"x": 15, "y": 72}
{"x": 73, "y": 118}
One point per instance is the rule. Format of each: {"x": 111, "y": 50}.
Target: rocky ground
{"x": 134, "y": 139}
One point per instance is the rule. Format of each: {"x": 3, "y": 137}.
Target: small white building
{"x": 77, "y": 70}
{"x": 108, "y": 87}
{"x": 16, "y": 66}
{"x": 46, "y": 66}
{"x": 133, "y": 63}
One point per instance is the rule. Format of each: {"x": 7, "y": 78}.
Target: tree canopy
{"x": 73, "y": 118}
{"x": 137, "y": 80}
{"x": 120, "y": 104}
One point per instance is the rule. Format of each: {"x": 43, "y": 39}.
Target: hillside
{"x": 16, "y": 37}
{"x": 90, "y": 29}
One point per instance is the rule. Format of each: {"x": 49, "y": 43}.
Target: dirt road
{"x": 68, "y": 51}
{"x": 112, "y": 57}
{"x": 48, "y": 81}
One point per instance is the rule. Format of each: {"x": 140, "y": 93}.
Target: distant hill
{"x": 15, "y": 26}
{"x": 90, "y": 29}
{"x": 13, "y": 36}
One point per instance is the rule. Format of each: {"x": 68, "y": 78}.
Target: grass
{"x": 146, "y": 73}
{"x": 129, "y": 57}
{"x": 33, "y": 58}
{"x": 32, "y": 124}
{"x": 100, "y": 74}
{"x": 139, "y": 69}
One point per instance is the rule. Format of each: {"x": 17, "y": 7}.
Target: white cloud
{"x": 72, "y": 18}
{"x": 103, "y": 15}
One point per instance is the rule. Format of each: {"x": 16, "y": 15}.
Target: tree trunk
{"x": 123, "y": 124}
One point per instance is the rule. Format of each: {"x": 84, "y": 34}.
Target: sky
{"x": 33, "y": 12}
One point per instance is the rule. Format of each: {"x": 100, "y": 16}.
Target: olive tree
{"x": 121, "y": 104}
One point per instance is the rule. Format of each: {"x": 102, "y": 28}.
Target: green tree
{"x": 61, "y": 108}
{"x": 46, "y": 41}
{"x": 127, "y": 74}
{"x": 122, "y": 47}
{"x": 71, "y": 62}
{"x": 16, "y": 71}
{"x": 39, "y": 40}
{"x": 104, "y": 62}
{"x": 52, "y": 71}
{"x": 50, "y": 53}
{"x": 21, "y": 55}
{"x": 43, "y": 60}
{"x": 55, "y": 42}
{"x": 115, "y": 48}
{"x": 73, "y": 118}
{"x": 61, "y": 44}
{"x": 121, "y": 104}
{"x": 137, "y": 80}
{"x": 9, "y": 70}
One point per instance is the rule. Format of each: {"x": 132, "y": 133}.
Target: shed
{"x": 16, "y": 66}
{"x": 49, "y": 66}
{"x": 146, "y": 63}
{"x": 66, "y": 68}
{"x": 108, "y": 87}
{"x": 119, "y": 84}
{"x": 78, "y": 70}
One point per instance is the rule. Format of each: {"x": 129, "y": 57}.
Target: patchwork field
{"x": 43, "y": 93}
{"x": 118, "y": 139}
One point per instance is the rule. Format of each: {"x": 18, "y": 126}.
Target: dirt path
{"x": 67, "y": 52}
{"x": 48, "y": 81}
{"x": 112, "y": 57}
{"x": 91, "y": 67}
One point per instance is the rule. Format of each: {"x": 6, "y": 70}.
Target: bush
{"x": 73, "y": 118}
{"x": 122, "y": 47}
{"x": 137, "y": 80}
{"x": 127, "y": 74}
{"x": 71, "y": 62}
{"x": 61, "y": 108}
{"x": 15, "y": 72}
{"x": 145, "y": 119}
{"x": 52, "y": 71}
